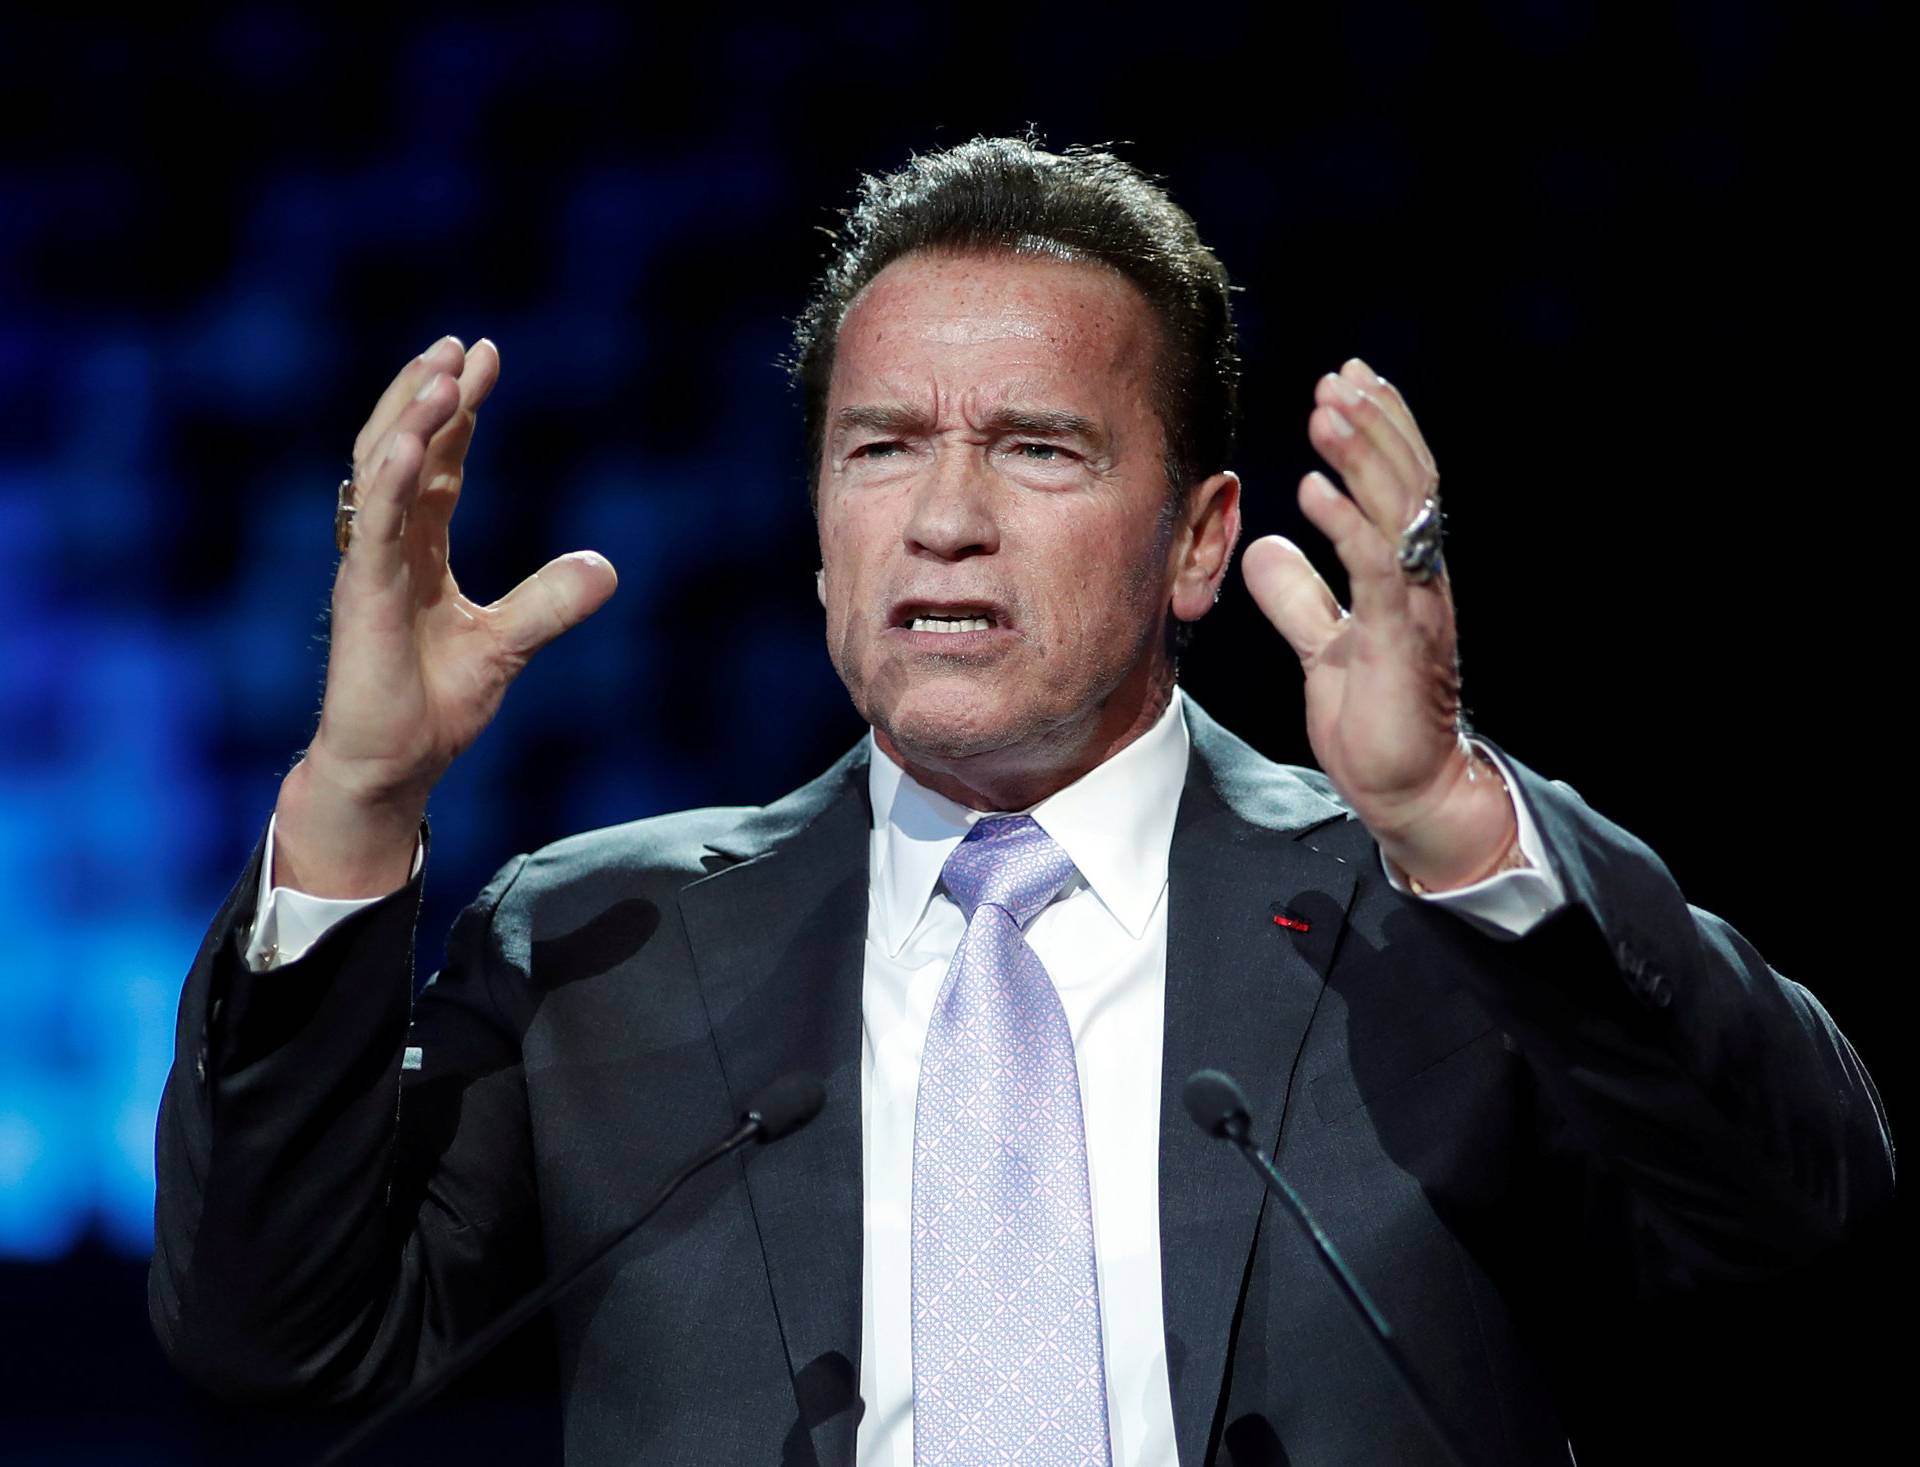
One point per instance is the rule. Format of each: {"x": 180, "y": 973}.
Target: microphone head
{"x": 1217, "y": 1104}
{"x": 786, "y": 1105}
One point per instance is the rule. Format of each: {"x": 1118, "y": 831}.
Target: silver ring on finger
{"x": 345, "y": 507}
{"x": 1419, "y": 549}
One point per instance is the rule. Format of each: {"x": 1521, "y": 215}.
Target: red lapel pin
{"x": 1283, "y": 918}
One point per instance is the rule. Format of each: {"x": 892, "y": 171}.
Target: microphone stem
{"x": 456, "y": 1364}
{"x": 1378, "y": 1330}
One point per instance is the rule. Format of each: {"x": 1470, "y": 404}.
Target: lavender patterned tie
{"x": 1007, "y": 1360}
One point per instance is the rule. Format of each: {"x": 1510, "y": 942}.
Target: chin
{"x": 944, "y": 725}
{"x": 928, "y": 737}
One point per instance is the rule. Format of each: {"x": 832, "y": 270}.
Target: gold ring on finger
{"x": 344, "y": 509}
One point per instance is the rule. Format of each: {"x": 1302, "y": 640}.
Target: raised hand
{"x": 1383, "y": 685}
{"x": 415, "y": 669}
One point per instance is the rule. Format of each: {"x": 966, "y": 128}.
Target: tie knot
{"x": 1010, "y": 863}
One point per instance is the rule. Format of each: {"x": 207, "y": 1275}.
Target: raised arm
{"x": 314, "y": 1239}
{"x": 416, "y": 669}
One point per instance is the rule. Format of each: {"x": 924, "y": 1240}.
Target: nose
{"x": 952, "y": 515}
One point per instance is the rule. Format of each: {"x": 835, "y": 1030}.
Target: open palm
{"x": 1382, "y": 680}
{"x": 416, "y": 669}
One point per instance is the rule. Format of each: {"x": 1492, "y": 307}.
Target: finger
{"x": 1374, "y": 385}
{"x": 444, "y": 471}
{"x": 1356, "y": 436}
{"x": 1373, "y": 573}
{"x": 561, "y": 594}
{"x": 389, "y": 488}
{"x": 445, "y": 355}
{"x": 1290, "y": 591}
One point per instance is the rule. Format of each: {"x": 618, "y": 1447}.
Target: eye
{"x": 1042, "y": 453}
{"x": 883, "y": 448}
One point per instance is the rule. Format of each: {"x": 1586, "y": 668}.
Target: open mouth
{"x": 950, "y": 618}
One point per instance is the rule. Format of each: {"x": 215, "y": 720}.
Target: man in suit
{"x": 1498, "y": 1054}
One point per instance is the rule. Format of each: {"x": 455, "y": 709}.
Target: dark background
{"x": 1632, "y": 266}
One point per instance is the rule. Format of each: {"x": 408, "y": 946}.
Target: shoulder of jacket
{"x": 1318, "y": 782}
{"x": 670, "y": 848}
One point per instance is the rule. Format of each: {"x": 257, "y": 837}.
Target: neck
{"x": 1023, "y": 774}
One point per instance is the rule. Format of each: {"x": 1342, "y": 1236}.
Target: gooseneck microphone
{"x": 1219, "y": 1107}
{"x": 781, "y": 1109}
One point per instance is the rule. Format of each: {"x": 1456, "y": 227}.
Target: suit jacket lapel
{"x": 1241, "y": 992}
{"x": 778, "y": 938}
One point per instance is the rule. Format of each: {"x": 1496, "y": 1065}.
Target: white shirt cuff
{"x": 1508, "y": 903}
{"x": 287, "y": 923}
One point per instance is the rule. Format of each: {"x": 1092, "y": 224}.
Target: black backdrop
{"x": 1633, "y": 268}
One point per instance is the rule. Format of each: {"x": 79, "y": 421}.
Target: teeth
{"x": 950, "y": 624}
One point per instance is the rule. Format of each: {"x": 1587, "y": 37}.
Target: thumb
{"x": 1291, "y": 593}
{"x": 561, "y": 594}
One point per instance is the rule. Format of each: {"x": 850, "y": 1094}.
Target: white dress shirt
{"x": 1103, "y": 941}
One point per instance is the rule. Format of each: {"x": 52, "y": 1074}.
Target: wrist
{"x": 1469, "y": 833}
{"x": 331, "y": 840}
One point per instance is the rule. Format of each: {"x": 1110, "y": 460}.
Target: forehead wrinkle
{"x": 1053, "y": 398}
{"x": 1025, "y": 340}
{"x": 948, "y": 304}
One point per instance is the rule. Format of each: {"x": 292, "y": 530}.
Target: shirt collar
{"x": 1115, "y": 823}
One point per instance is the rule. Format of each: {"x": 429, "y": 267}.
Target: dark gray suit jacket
{"x": 1493, "y": 1131}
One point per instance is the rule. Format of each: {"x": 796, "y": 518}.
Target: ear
{"x": 820, "y": 584}
{"x": 1203, "y": 542}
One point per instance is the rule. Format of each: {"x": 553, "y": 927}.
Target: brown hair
{"x": 1009, "y": 194}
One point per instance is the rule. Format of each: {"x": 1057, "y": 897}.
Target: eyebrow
{"x": 1034, "y": 422}
{"x": 1043, "y": 423}
{"x": 897, "y": 420}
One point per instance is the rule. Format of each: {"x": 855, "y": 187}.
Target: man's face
{"x": 993, "y": 505}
